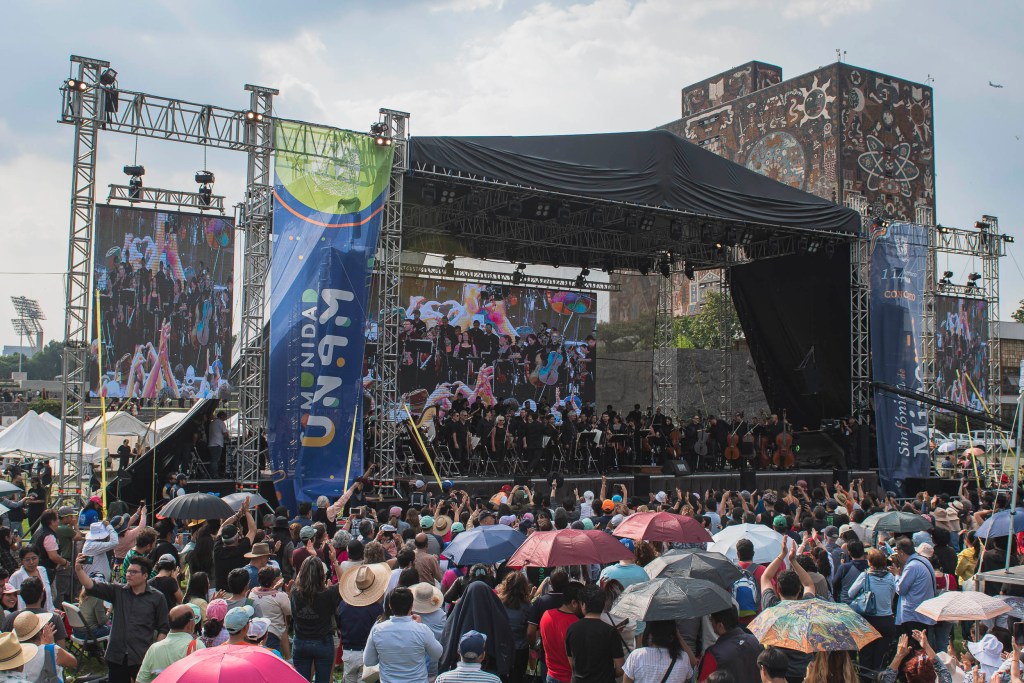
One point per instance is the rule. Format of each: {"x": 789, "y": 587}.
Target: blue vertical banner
{"x": 330, "y": 187}
{"x": 898, "y": 256}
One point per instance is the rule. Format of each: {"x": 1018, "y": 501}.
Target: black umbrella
{"x": 670, "y": 598}
{"x": 197, "y": 506}
{"x": 695, "y": 564}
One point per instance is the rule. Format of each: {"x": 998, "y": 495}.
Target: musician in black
{"x": 488, "y": 342}
{"x": 739, "y": 426}
{"x": 459, "y": 437}
{"x": 476, "y": 334}
{"x": 635, "y": 415}
{"x": 484, "y": 426}
{"x": 419, "y": 325}
{"x": 568, "y": 431}
{"x": 534, "y": 432}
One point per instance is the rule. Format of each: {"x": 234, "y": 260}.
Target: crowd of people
{"x": 343, "y": 589}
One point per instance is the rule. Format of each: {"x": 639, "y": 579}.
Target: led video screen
{"x": 961, "y": 351}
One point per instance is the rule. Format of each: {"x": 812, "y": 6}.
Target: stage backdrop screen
{"x": 165, "y": 282}
{"x": 495, "y": 342}
{"x": 961, "y": 351}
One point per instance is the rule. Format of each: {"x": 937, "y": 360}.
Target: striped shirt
{"x": 467, "y": 672}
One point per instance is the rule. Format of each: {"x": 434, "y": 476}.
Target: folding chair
{"x": 89, "y": 646}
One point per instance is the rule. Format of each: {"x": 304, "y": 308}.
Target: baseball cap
{"x": 228, "y": 532}
{"x": 395, "y": 512}
{"x": 507, "y": 520}
{"x": 217, "y": 609}
{"x": 167, "y": 558}
{"x": 258, "y": 627}
{"x": 237, "y": 618}
{"x": 616, "y": 498}
{"x": 390, "y": 528}
{"x": 661, "y": 496}
{"x": 780, "y": 520}
{"x": 66, "y": 511}
{"x": 628, "y": 542}
{"x": 426, "y": 521}
{"x": 458, "y": 528}
{"x": 616, "y": 520}
{"x": 419, "y": 484}
{"x": 844, "y": 528}
{"x": 472, "y": 646}
{"x": 506, "y": 488}
{"x": 588, "y": 523}
{"x": 608, "y": 506}
{"x": 307, "y": 533}
{"x": 831, "y": 532}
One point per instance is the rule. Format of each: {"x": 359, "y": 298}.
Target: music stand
{"x": 196, "y": 468}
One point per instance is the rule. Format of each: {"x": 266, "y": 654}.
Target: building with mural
{"x": 858, "y": 137}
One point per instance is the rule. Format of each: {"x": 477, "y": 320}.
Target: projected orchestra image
{"x": 961, "y": 351}
{"x": 165, "y": 282}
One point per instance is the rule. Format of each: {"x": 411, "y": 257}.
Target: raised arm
{"x": 805, "y": 578}
{"x": 773, "y": 568}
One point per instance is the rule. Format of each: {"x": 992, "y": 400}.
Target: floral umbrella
{"x": 812, "y": 626}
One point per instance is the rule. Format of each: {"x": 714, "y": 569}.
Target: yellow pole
{"x": 351, "y": 446}
{"x": 419, "y": 439}
{"x": 103, "y": 403}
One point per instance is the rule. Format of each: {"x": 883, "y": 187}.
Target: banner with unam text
{"x": 898, "y": 256}
{"x": 329, "y": 192}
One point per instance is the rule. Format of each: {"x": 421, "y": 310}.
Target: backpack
{"x": 747, "y": 595}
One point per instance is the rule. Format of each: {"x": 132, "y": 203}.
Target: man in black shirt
{"x": 124, "y": 455}
{"x": 533, "y": 441}
{"x": 230, "y": 547}
{"x": 594, "y": 648}
{"x": 139, "y": 612}
{"x": 557, "y": 582}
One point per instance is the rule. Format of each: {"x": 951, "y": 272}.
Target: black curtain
{"x": 795, "y": 313}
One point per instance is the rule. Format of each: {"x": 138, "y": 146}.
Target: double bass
{"x": 732, "y": 447}
{"x": 783, "y": 457}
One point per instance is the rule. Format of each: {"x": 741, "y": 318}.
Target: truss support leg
{"x": 664, "y": 376}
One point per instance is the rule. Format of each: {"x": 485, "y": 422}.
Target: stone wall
{"x": 625, "y": 379}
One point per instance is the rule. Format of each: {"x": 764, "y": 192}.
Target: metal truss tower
{"x": 665, "y": 370}
{"x": 83, "y": 105}
{"x": 992, "y": 249}
{"x": 388, "y": 274}
{"x": 725, "y": 342}
{"x": 860, "y": 319}
{"x": 255, "y": 220}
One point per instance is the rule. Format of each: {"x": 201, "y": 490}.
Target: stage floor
{"x": 636, "y": 484}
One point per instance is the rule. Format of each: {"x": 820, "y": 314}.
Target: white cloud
{"x": 460, "y": 6}
{"x": 826, "y": 11}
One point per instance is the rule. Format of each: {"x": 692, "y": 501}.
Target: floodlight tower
{"x": 27, "y": 323}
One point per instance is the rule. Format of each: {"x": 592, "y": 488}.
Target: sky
{"x": 464, "y": 67}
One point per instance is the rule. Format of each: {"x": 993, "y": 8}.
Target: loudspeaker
{"x": 677, "y": 468}
{"x": 748, "y": 480}
{"x": 932, "y": 485}
{"x": 841, "y": 477}
{"x": 521, "y": 480}
{"x": 642, "y": 485}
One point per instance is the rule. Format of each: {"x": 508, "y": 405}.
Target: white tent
{"x": 166, "y": 423}
{"x": 120, "y": 426}
{"x": 51, "y": 418}
{"x": 33, "y": 435}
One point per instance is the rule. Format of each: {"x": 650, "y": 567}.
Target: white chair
{"x": 88, "y": 646}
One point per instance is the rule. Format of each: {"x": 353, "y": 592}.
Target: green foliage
{"x": 46, "y": 405}
{"x": 633, "y": 336}
{"x": 1018, "y": 315}
{"x": 45, "y": 365}
{"x": 704, "y": 330}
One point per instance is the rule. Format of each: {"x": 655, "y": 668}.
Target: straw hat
{"x": 28, "y": 624}
{"x": 14, "y": 654}
{"x": 442, "y": 523}
{"x": 365, "y": 584}
{"x": 426, "y": 598}
{"x": 259, "y": 550}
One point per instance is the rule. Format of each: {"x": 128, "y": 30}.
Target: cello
{"x": 732, "y": 447}
{"x": 783, "y": 457}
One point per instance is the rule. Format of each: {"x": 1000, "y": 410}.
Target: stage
{"x": 636, "y": 484}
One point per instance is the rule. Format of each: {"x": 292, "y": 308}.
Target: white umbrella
{"x": 947, "y": 447}
{"x": 767, "y": 542}
{"x": 235, "y": 500}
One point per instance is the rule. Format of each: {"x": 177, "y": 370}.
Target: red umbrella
{"x": 230, "y": 664}
{"x": 663, "y": 526}
{"x": 568, "y": 546}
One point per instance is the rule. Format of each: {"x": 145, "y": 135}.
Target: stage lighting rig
{"x": 647, "y": 222}
{"x": 253, "y": 117}
{"x": 543, "y": 211}
{"x": 108, "y": 77}
{"x": 665, "y": 268}
{"x": 581, "y": 279}
{"x": 1008, "y": 239}
{"x": 515, "y": 209}
{"x": 428, "y": 193}
{"x": 942, "y": 229}
{"x": 72, "y": 84}
{"x": 379, "y": 131}
{"x": 946, "y": 279}
{"x": 688, "y": 271}
{"x": 449, "y": 266}
{"x": 517, "y": 274}
{"x": 675, "y": 230}
{"x": 644, "y": 268}
{"x": 972, "y": 282}
{"x": 475, "y": 201}
{"x": 134, "y": 173}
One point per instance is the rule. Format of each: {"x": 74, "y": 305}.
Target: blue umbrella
{"x": 999, "y": 524}
{"x": 484, "y": 545}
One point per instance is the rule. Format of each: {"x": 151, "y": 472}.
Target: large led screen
{"x": 165, "y": 292}
{"x": 961, "y": 351}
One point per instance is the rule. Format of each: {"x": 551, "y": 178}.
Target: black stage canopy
{"x": 636, "y": 201}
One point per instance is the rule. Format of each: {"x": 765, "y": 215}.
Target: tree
{"x": 46, "y": 405}
{"x": 704, "y": 330}
{"x": 48, "y": 363}
{"x": 1018, "y": 315}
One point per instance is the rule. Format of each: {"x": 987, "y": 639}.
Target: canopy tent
{"x": 641, "y": 201}
{"x": 36, "y": 436}
{"x": 164, "y": 424}
{"x": 121, "y": 425}
{"x": 51, "y": 419}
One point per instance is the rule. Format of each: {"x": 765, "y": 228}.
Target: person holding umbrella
{"x": 735, "y": 651}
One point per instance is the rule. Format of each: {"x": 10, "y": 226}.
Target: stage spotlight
{"x": 517, "y": 277}
{"x": 475, "y": 201}
{"x": 379, "y": 131}
{"x": 72, "y": 84}
{"x": 609, "y": 263}
{"x": 644, "y": 268}
{"x": 942, "y": 229}
{"x": 564, "y": 214}
{"x": 946, "y": 279}
{"x": 108, "y": 77}
{"x": 543, "y": 210}
{"x": 428, "y": 193}
{"x": 448, "y": 195}
{"x": 580, "y": 281}
{"x": 253, "y": 116}
{"x": 675, "y": 230}
{"x": 647, "y": 223}
{"x": 632, "y": 222}
{"x": 688, "y": 271}
{"x": 515, "y": 208}
{"x": 665, "y": 268}
{"x": 449, "y": 266}
{"x": 585, "y": 271}
{"x": 1008, "y": 239}
{"x": 205, "y": 177}
{"x": 982, "y": 225}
